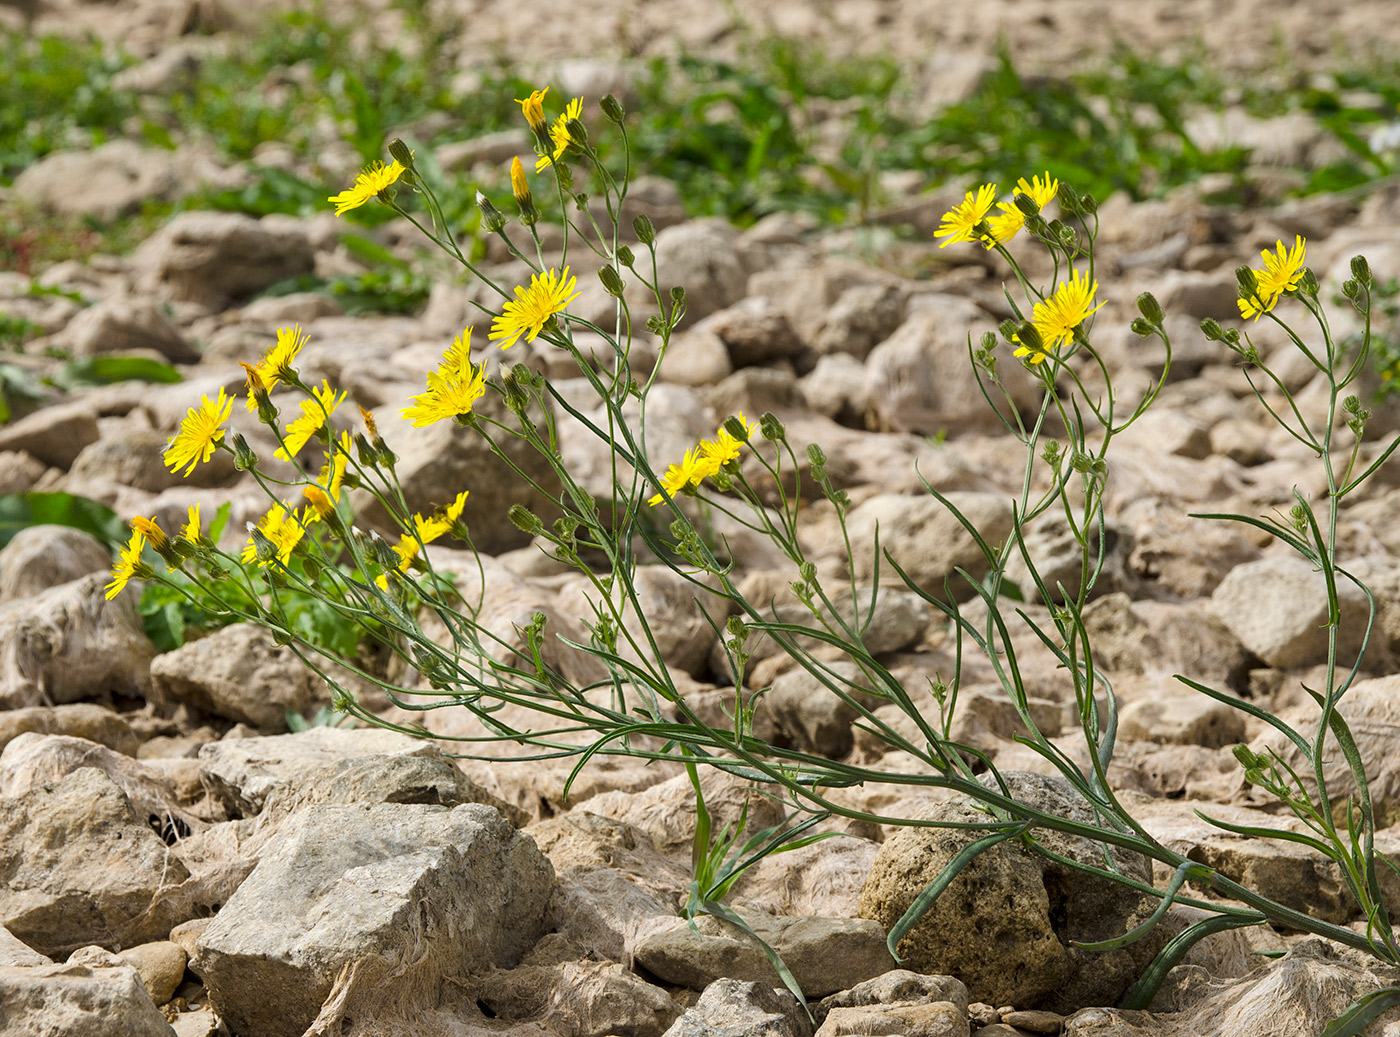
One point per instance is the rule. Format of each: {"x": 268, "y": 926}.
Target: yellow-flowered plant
{"x": 371, "y": 554}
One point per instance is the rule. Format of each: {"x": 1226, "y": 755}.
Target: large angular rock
{"x": 135, "y": 457}
{"x": 123, "y": 324}
{"x": 70, "y": 643}
{"x": 1277, "y": 607}
{"x": 44, "y": 556}
{"x": 214, "y": 258}
{"x": 703, "y": 257}
{"x": 812, "y": 716}
{"x": 94, "y": 998}
{"x": 78, "y": 866}
{"x": 925, "y": 539}
{"x": 824, "y": 955}
{"x": 239, "y": 673}
{"x": 1005, "y": 925}
{"x": 55, "y": 435}
{"x": 420, "y": 893}
{"x": 754, "y": 331}
{"x": 735, "y": 1008}
{"x": 580, "y": 997}
{"x": 105, "y": 183}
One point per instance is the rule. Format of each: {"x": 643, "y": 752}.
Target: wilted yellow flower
{"x": 960, "y": 222}
{"x": 559, "y": 134}
{"x": 519, "y": 186}
{"x": 127, "y": 563}
{"x": 199, "y": 432}
{"x": 1282, "y": 271}
{"x": 281, "y": 527}
{"x": 1058, "y": 316}
{"x": 1007, "y": 223}
{"x": 452, "y": 388}
{"x": 533, "y": 107}
{"x": 275, "y": 364}
{"x": 314, "y": 414}
{"x": 532, "y": 307}
{"x": 154, "y": 535}
{"x": 374, "y": 179}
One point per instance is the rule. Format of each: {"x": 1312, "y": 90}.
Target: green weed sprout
{"x": 633, "y": 705}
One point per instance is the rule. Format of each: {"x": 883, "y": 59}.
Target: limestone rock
{"x": 44, "y": 556}
{"x": 812, "y": 716}
{"x": 124, "y": 324}
{"x": 754, "y": 331}
{"x": 734, "y": 1008}
{"x": 161, "y": 965}
{"x": 78, "y": 1000}
{"x": 419, "y": 892}
{"x": 14, "y": 951}
{"x": 703, "y": 257}
{"x": 239, "y": 673}
{"x": 824, "y": 954}
{"x": 1277, "y": 607}
{"x": 55, "y": 435}
{"x": 1004, "y": 926}
{"x": 70, "y": 643}
{"x": 932, "y": 1019}
{"x": 106, "y": 182}
{"x": 214, "y": 258}
{"x": 579, "y": 997}
{"x": 77, "y": 866}
{"x": 135, "y": 457}
{"x": 925, "y": 539}
{"x": 1178, "y": 715}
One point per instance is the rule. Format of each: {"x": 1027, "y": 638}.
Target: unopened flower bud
{"x": 613, "y": 284}
{"x": 244, "y": 458}
{"x": 1008, "y": 330}
{"x": 1087, "y": 205}
{"x": 519, "y": 186}
{"x": 1068, "y": 198}
{"x": 989, "y": 341}
{"x": 578, "y": 133}
{"x": 815, "y": 454}
{"x": 1211, "y": 329}
{"x": 771, "y": 428}
{"x": 625, "y": 256}
{"x": 1142, "y": 327}
{"x": 1307, "y": 282}
{"x": 736, "y": 428}
{"x": 1028, "y": 335}
{"x": 1351, "y": 289}
{"x": 677, "y": 295}
{"x": 1150, "y": 308}
{"x": 641, "y": 226}
{"x": 525, "y": 520}
{"x": 1026, "y": 204}
{"x": 491, "y": 217}
{"x": 1361, "y": 270}
{"x": 612, "y": 108}
{"x": 401, "y": 153}
{"x": 1248, "y": 281}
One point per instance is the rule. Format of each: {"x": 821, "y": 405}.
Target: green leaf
{"x": 1353, "y": 1022}
{"x": 104, "y": 370}
{"x": 22, "y": 510}
{"x": 1145, "y": 989}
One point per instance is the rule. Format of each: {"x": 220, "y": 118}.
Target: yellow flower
{"x": 281, "y": 527}
{"x": 559, "y": 133}
{"x": 374, "y": 179}
{"x": 127, "y": 564}
{"x": 314, "y": 414}
{"x": 533, "y": 107}
{"x": 1008, "y": 222}
{"x": 519, "y": 186}
{"x": 1058, "y": 316}
{"x": 148, "y": 529}
{"x": 318, "y": 504}
{"x": 266, "y": 373}
{"x": 533, "y": 307}
{"x": 199, "y": 432}
{"x": 425, "y": 531}
{"x": 686, "y": 476}
{"x": 452, "y": 388}
{"x": 1282, "y": 272}
{"x": 960, "y": 222}
{"x": 725, "y": 447}
{"x": 333, "y": 471}
{"x": 191, "y": 530}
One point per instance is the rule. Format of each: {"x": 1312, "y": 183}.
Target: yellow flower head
{"x": 268, "y": 371}
{"x": 1282, "y": 271}
{"x": 533, "y": 107}
{"x": 374, "y": 180}
{"x": 559, "y": 134}
{"x": 1058, "y": 316}
{"x": 425, "y": 531}
{"x": 319, "y": 505}
{"x": 280, "y": 526}
{"x": 333, "y": 471}
{"x": 190, "y": 531}
{"x": 532, "y": 307}
{"x": 960, "y": 222}
{"x": 1007, "y": 223}
{"x": 199, "y": 432}
{"x": 315, "y": 413}
{"x": 127, "y": 564}
{"x": 685, "y": 477}
{"x": 154, "y": 535}
{"x": 452, "y": 388}
{"x": 519, "y": 186}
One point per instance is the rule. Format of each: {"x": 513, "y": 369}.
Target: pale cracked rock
{"x": 1277, "y": 607}
{"x": 824, "y": 954}
{"x": 925, "y": 539}
{"x": 704, "y": 257}
{"x": 123, "y": 324}
{"x": 418, "y": 892}
{"x": 44, "y": 556}
{"x": 238, "y": 672}
{"x": 811, "y": 715}
{"x": 754, "y": 331}
{"x": 95, "y": 996}
{"x": 735, "y": 1008}
{"x": 579, "y": 997}
{"x": 55, "y": 435}
{"x": 106, "y": 182}
{"x": 935, "y": 1019}
{"x": 70, "y": 643}
{"x": 214, "y": 258}
{"x": 1006, "y": 925}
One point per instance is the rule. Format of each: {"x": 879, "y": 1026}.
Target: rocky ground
{"x": 171, "y": 858}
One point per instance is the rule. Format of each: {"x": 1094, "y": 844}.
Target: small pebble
{"x": 1035, "y": 1021}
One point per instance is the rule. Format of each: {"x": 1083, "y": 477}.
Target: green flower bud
{"x": 1008, "y": 330}
{"x": 1351, "y": 289}
{"x": 525, "y": 520}
{"x": 1068, "y": 198}
{"x": 989, "y": 341}
{"x": 641, "y": 226}
{"x": 1029, "y": 336}
{"x": 1087, "y": 205}
{"x": 612, "y": 283}
{"x": 771, "y": 428}
{"x": 1361, "y": 270}
{"x": 1142, "y": 327}
{"x": 625, "y": 256}
{"x": 677, "y": 295}
{"x": 815, "y": 454}
{"x": 1248, "y": 282}
{"x": 656, "y": 325}
{"x": 1026, "y": 204}
{"x": 1307, "y": 282}
{"x": 578, "y": 133}
{"x": 401, "y": 153}
{"x": 612, "y": 108}
{"x": 1211, "y": 329}
{"x": 244, "y": 458}
{"x": 1150, "y": 308}
{"x": 491, "y": 217}
{"x": 736, "y": 428}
